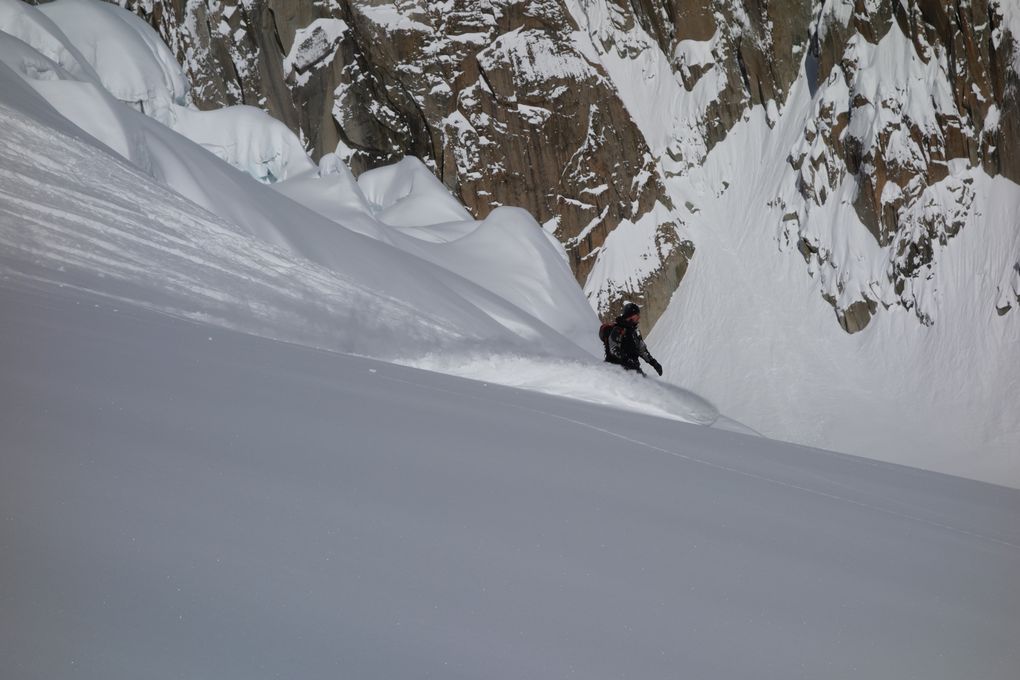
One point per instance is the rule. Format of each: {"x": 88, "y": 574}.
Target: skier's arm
{"x": 647, "y": 356}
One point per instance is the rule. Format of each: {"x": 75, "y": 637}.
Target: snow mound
{"x": 511, "y": 255}
{"x": 248, "y": 139}
{"x": 108, "y": 56}
{"x": 334, "y": 193}
{"x": 34, "y": 28}
{"x": 129, "y": 58}
{"x": 407, "y": 194}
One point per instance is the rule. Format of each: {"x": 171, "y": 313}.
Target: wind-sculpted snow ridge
{"x": 145, "y": 246}
{"x": 430, "y": 279}
{"x": 110, "y": 232}
{"x": 128, "y": 58}
{"x": 150, "y": 247}
{"x": 110, "y": 222}
{"x": 110, "y": 229}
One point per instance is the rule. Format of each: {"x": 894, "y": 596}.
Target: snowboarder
{"x": 623, "y": 342}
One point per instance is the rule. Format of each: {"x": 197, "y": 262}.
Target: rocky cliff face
{"x": 585, "y": 112}
{"x": 752, "y": 50}
{"x": 497, "y": 99}
{"x": 493, "y": 96}
{"x": 910, "y": 96}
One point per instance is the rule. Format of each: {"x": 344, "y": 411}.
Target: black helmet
{"x": 629, "y": 310}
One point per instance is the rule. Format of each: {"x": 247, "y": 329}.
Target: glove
{"x": 656, "y": 365}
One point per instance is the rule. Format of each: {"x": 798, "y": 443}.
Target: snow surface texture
{"x": 184, "y": 501}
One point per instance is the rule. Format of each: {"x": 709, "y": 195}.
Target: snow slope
{"x": 203, "y": 473}
{"x": 748, "y": 330}
{"x": 185, "y": 501}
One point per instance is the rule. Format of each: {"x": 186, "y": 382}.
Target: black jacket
{"x": 625, "y": 346}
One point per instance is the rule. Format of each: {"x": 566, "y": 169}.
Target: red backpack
{"x": 604, "y": 331}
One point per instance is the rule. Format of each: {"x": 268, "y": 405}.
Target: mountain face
{"x": 589, "y": 113}
{"x": 907, "y": 95}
